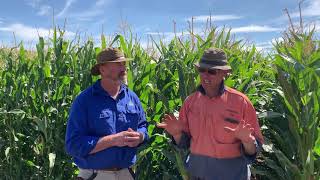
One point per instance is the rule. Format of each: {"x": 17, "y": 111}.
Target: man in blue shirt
{"x": 106, "y": 123}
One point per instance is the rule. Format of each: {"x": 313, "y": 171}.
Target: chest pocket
{"x": 132, "y": 116}
{"x": 220, "y": 134}
{"x": 128, "y": 117}
{"x": 105, "y": 123}
{"x": 131, "y": 109}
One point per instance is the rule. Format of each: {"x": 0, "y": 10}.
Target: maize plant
{"x": 38, "y": 86}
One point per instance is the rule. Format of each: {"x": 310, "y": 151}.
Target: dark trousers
{"x": 196, "y": 178}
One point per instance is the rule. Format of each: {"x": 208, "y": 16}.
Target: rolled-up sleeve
{"x": 251, "y": 118}
{"x": 251, "y": 158}
{"x": 142, "y": 122}
{"x": 77, "y": 141}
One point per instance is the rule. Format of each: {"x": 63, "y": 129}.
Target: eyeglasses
{"x": 210, "y": 71}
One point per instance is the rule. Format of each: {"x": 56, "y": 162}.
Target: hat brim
{"x": 121, "y": 59}
{"x": 95, "y": 69}
{"x": 209, "y": 66}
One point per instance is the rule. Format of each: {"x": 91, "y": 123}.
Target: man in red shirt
{"x": 217, "y": 123}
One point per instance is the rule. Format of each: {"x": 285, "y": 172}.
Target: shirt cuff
{"x": 184, "y": 141}
{"x": 251, "y": 158}
{"x": 144, "y": 135}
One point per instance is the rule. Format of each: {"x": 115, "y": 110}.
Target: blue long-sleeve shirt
{"x": 94, "y": 114}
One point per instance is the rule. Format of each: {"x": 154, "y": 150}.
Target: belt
{"x": 110, "y": 169}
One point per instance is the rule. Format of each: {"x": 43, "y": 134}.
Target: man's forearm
{"x": 250, "y": 147}
{"x": 177, "y": 137}
{"x": 103, "y": 143}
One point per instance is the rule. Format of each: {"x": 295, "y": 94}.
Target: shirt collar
{"x": 98, "y": 89}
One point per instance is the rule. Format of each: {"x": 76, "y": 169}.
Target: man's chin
{"x": 123, "y": 78}
{"x": 208, "y": 86}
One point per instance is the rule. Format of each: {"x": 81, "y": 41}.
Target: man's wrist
{"x": 111, "y": 139}
{"x": 249, "y": 140}
{"x": 141, "y": 137}
{"x": 177, "y": 135}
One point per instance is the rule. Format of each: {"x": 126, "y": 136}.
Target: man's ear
{"x": 101, "y": 70}
{"x": 226, "y": 73}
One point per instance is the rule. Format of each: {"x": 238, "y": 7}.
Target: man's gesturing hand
{"x": 170, "y": 124}
{"x": 243, "y": 132}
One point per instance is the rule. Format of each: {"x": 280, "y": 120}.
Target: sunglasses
{"x": 210, "y": 71}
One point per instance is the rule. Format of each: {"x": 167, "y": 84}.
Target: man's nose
{"x": 206, "y": 74}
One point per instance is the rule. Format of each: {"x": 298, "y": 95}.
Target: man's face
{"x": 211, "y": 78}
{"x": 114, "y": 71}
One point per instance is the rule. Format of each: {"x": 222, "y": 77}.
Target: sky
{"x": 259, "y": 22}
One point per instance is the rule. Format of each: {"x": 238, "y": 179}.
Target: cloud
{"x": 101, "y": 2}
{"x": 43, "y": 9}
{"x": 255, "y": 28}
{"x": 314, "y": 25}
{"x": 144, "y": 44}
{"x": 87, "y": 15}
{"x": 214, "y": 18}
{"x": 309, "y": 8}
{"x": 160, "y": 34}
{"x": 168, "y": 36}
{"x": 33, "y": 3}
{"x": 165, "y": 34}
{"x": 27, "y": 33}
{"x": 264, "y": 46}
{"x": 65, "y": 8}
{"x": 268, "y": 45}
{"x": 312, "y": 8}
{"x": 275, "y": 40}
{"x": 317, "y": 27}
{"x": 96, "y": 9}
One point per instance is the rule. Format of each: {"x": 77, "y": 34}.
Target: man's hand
{"x": 133, "y": 138}
{"x": 119, "y": 139}
{"x": 129, "y": 138}
{"x": 170, "y": 124}
{"x": 242, "y": 132}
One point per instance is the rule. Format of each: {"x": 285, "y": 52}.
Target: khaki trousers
{"x": 123, "y": 174}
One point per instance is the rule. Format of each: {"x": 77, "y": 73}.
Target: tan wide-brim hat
{"x": 109, "y": 54}
{"x": 214, "y": 58}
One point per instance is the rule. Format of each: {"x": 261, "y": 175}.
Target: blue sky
{"x": 259, "y": 22}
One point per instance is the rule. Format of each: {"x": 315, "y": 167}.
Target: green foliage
{"x": 37, "y": 89}
{"x": 293, "y": 136}
{"x": 35, "y": 98}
